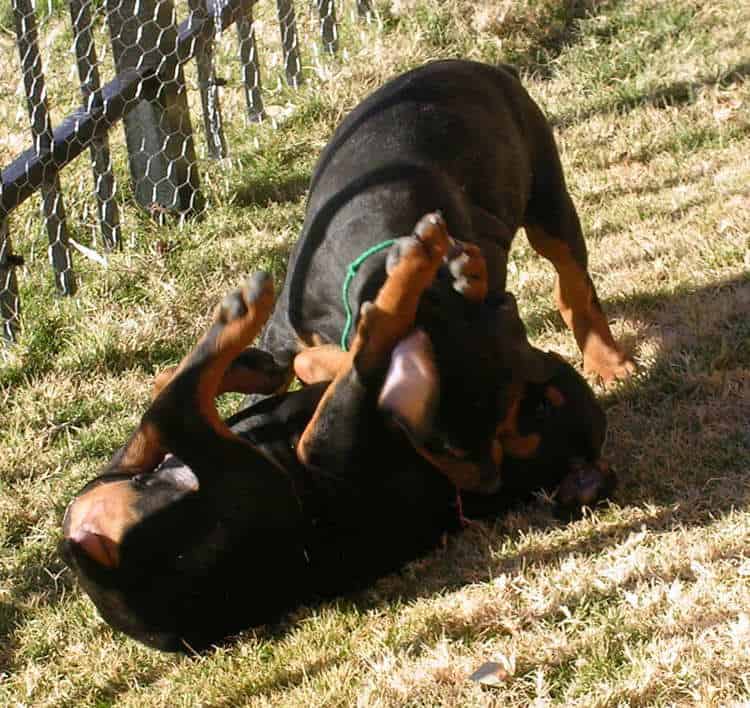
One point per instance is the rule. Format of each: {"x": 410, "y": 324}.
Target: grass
{"x": 643, "y": 602}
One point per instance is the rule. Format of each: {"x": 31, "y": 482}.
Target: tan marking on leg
{"x": 230, "y": 334}
{"x": 578, "y": 305}
{"x": 391, "y": 316}
{"x": 161, "y": 380}
{"x": 143, "y": 451}
{"x": 320, "y": 363}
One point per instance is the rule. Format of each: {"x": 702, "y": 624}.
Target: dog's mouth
{"x": 98, "y": 520}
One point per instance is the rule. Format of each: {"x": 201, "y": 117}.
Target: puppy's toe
{"x": 232, "y": 307}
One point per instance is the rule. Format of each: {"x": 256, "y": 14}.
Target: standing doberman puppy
{"x": 199, "y": 528}
{"x": 456, "y": 136}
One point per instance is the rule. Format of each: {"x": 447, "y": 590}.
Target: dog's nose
{"x": 96, "y": 546}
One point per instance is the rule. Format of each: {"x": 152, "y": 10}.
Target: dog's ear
{"x": 410, "y": 394}
{"x": 410, "y": 397}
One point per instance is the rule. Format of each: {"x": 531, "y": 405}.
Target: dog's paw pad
{"x": 428, "y": 244}
{"x": 432, "y": 232}
{"x": 250, "y": 305}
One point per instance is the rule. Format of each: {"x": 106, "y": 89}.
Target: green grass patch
{"x": 643, "y": 602}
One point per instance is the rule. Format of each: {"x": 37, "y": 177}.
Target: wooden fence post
{"x": 53, "y": 209}
{"x": 158, "y": 131}
{"x": 289, "y": 42}
{"x": 329, "y": 36}
{"x": 208, "y": 84}
{"x": 364, "y": 8}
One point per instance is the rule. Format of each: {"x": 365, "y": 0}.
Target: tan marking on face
{"x": 507, "y": 433}
{"x": 463, "y": 474}
{"x": 108, "y": 511}
{"x": 523, "y": 446}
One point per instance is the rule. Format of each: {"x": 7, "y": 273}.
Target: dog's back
{"x": 450, "y": 136}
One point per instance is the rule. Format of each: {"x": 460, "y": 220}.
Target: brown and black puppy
{"x": 466, "y": 139}
{"x": 200, "y": 527}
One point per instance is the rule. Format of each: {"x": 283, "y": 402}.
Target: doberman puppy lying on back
{"x": 200, "y": 527}
{"x": 466, "y": 139}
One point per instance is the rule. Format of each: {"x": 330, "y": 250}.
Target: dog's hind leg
{"x": 183, "y": 417}
{"x": 562, "y": 244}
{"x": 252, "y": 371}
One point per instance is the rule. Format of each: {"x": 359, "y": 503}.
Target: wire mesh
{"x": 128, "y": 63}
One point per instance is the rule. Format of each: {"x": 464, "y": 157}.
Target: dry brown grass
{"x": 644, "y": 602}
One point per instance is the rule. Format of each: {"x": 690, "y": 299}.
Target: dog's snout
{"x": 96, "y": 546}
{"x": 97, "y": 521}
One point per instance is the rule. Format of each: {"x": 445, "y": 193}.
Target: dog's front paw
{"x": 608, "y": 365}
{"x": 468, "y": 268}
{"x": 426, "y": 247}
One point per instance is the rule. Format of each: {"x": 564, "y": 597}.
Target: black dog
{"x": 199, "y": 528}
{"x": 466, "y": 139}
{"x": 456, "y": 136}
{"x": 163, "y": 538}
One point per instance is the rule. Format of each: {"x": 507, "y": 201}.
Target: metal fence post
{"x": 329, "y": 35}
{"x": 364, "y": 8}
{"x": 101, "y": 163}
{"x": 10, "y": 304}
{"x": 289, "y": 43}
{"x": 53, "y": 209}
{"x": 158, "y": 131}
{"x": 250, "y": 65}
{"x": 208, "y": 83}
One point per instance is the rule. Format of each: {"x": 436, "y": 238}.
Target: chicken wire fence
{"x": 142, "y": 47}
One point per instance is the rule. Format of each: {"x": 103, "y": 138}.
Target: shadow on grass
{"x": 560, "y": 31}
{"x": 688, "y": 498}
{"x": 107, "y": 694}
{"x": 678, "y": 93}
{"x": 266, "y": 190}
{"x": 286, "y": 680}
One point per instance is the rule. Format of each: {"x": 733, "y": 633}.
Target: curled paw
{"x": 468, "y": 269}
{"x": 428, "y": 244}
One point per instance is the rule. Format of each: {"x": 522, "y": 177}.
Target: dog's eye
{"x": 543, "y": 410}
{"x": 139, "y": 481}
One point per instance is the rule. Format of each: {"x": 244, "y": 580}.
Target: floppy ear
{"x": 410, "y": 397}
{"x": 410, "y": 394}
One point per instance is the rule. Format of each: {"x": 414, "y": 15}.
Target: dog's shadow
{"x": 678, "y": 440}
